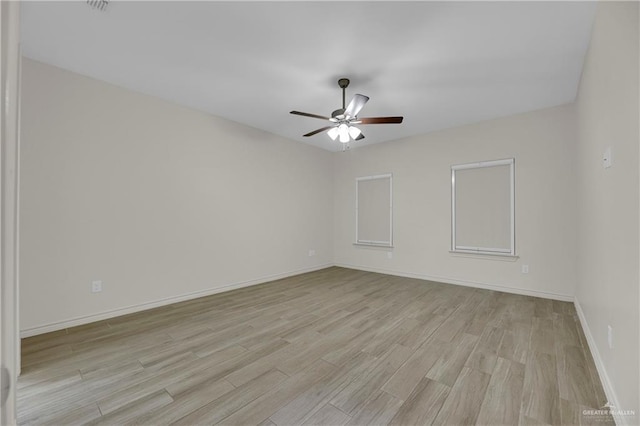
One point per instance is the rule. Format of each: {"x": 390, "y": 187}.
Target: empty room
{"x": 320, "y": 213}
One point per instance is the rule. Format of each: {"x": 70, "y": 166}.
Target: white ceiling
{"x": 440, "y": 64}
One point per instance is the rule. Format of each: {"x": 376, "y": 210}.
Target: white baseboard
{"x": 466, "y": 283}
{"x": 602, "y": 372}
{"x": 61, "y": 325}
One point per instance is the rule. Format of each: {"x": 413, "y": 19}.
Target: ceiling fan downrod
{"x": 343, "y": 83}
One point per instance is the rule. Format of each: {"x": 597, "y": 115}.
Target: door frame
{"x": 9, "y": 187}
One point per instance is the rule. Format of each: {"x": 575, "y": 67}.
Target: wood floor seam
{"x": 338, "y": 408}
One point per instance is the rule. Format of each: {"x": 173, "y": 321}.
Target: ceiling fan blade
{"x": 355, "y": 105}
{"x": 379, "y": 120}
{"x": 306, "y": 114}
{"x": 318, "y": 131}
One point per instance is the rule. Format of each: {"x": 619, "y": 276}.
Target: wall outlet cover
{"x": 96, "y": 286}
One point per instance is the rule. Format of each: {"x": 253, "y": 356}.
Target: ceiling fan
{"x": 344, "y": 119}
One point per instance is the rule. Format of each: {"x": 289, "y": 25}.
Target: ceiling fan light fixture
{"x": 343, "y": 130}
{"x": 354, "y": 132}
{"x": 333, "y": 133}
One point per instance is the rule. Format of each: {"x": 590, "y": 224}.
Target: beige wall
{"x": 154, "y": 199}
{"x": 543, "y": 145}
{"x": 608, "y": 253}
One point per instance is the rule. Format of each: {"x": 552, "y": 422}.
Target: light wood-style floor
{"x": 331, "y": 347}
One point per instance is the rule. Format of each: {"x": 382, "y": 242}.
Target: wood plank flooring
{"x": 332, "y": 347}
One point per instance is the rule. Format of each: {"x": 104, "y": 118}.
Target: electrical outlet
{"x": 312, "y": 253}
{"x": 525, "y": 269}
{"x": 96, "y": 286}
{"x": 389, "y": 255}
{"x": 610, "y": 336}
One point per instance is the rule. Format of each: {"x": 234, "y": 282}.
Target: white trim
{"x": 72, "y": 322}
{"x": 373, "y": 243}
{"x": 453, "y": 209}
{"x": 490, "y": 256}
{"x": 367, "y": 245}
{"x": 382, "y": 176}
{"x": 390, "y": 210}
{"x": 512, "y": 176}
{"x": 480, "y": 164}
{"x": 466, "y": 283}
{"x": 483, "y": 250}
{"x": 17, "y": 326}
{"x": 512, "y": 204}
{"x": 370, "y": 242}
{"x": 9, "y": 208}
{"x": 602, "y": 371}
